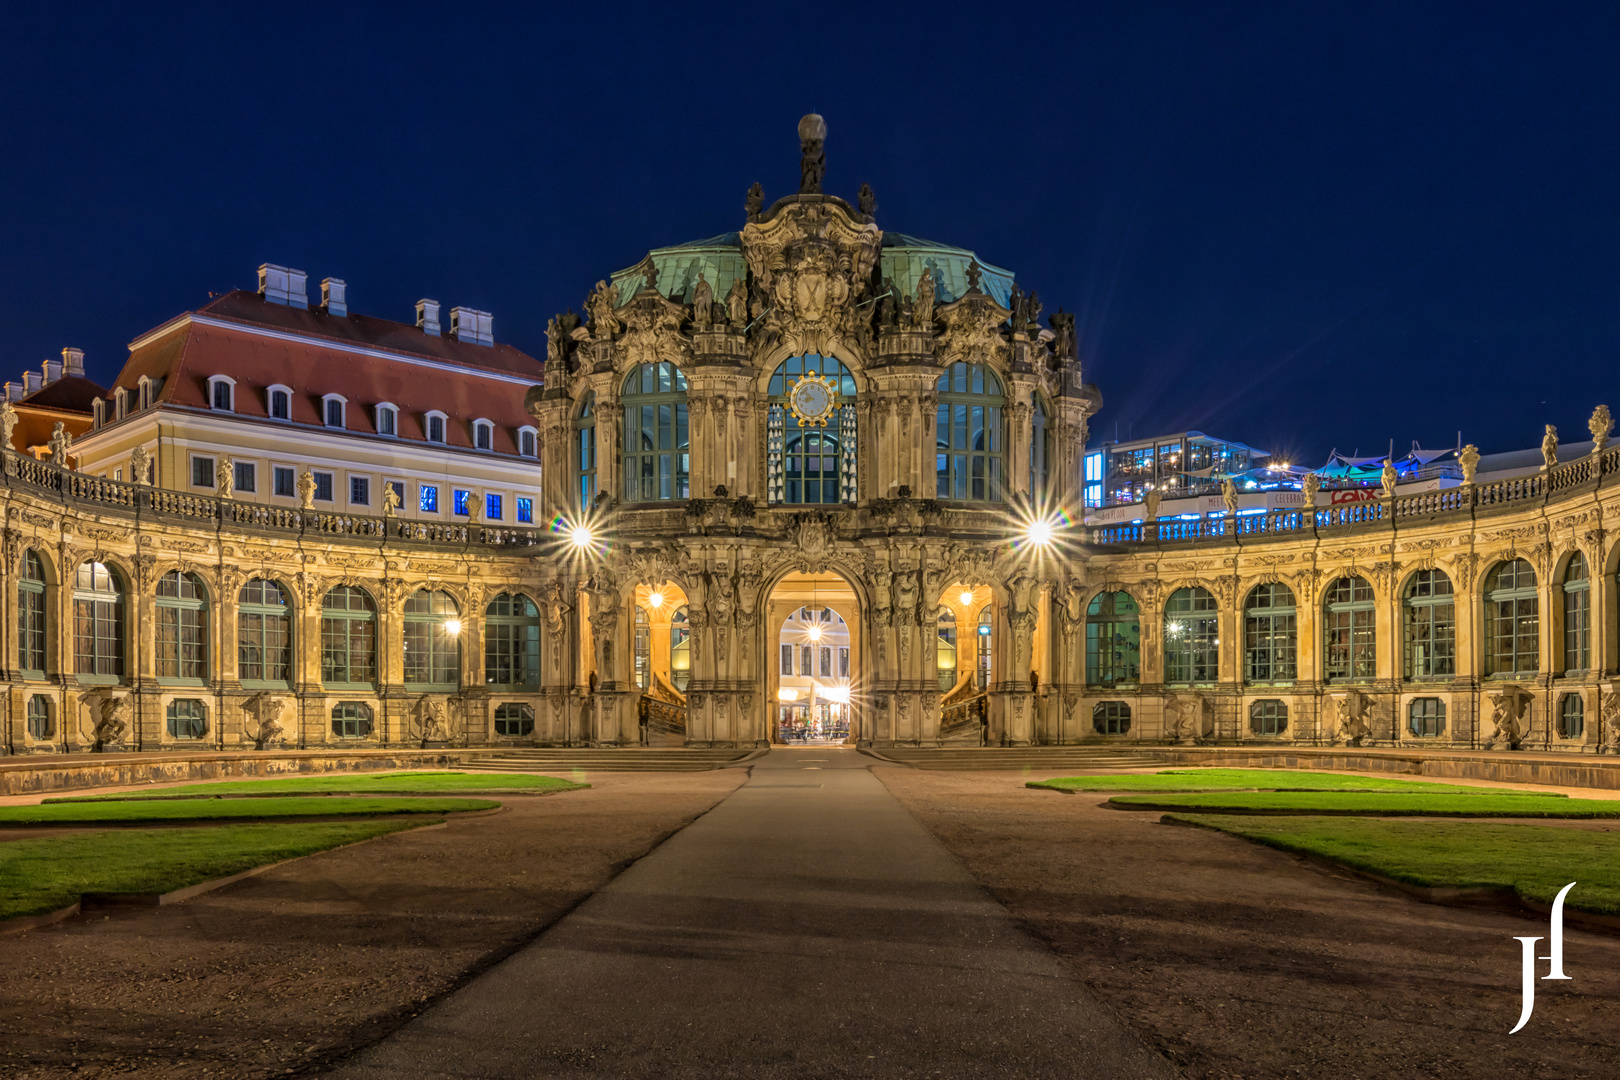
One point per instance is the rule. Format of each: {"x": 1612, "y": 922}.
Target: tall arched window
{"x": 182, "y": 628}
{"x": 680, "y": 648}
{"x": 1577, "y": 615}
{"x": 585, "y": 450}
{"x": 1192, "y": 637}
{"x": 945, "y": 649}
{"x": 348, "y": 639}
{"x": 1113, "y": 640}
{"x": 512, "y": 642}
{"x": 985, "y": 647}
{"x": 1270, "y": 635}
{"x": 642, "y": 648}
{"x": 432, "y": 641}
{"x": 809, "y": 461}
{"x": 1429, "y": 611}
{"x": 1040, "y": 451}
{"x": 1512, "y": 620}
{"x": 263, "y": 634}
{"x": 657, "y": 454}
{"x": 31, "y": 616}
{"x": 1349, "y": 636}
{"x": 967, "y": 432}
{"x": 98, "y": 623}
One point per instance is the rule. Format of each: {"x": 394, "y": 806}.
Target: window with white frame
{"x": 387, "y": 419}
{"x": 284, "y": 481}
{"x": 360, "y": 490}
{"x": 483, "y": 435}
{"x": 202, "y": 471}
{"x": 278, "y": 398}
{"x": 528, "y": 441}
{"x": 332, "y": 406}
{"x": 433, "y": 426}
{"x": 222, "y": 393}
{"x": 120, "y": 403}
{"x": 149, "y": 390}
{"x": 323, "y": 486}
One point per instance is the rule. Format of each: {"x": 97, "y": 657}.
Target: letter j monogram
{"x": 1554, "y": 957}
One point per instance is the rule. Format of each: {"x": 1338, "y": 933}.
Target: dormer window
{"x": 332, "y": 408}
{"x": 279, "y": 399}
{"x": 434, "y": 426}
{"x": 528, "y": 441}
{"x": 98, "y": 410}
{"x": 222, "y": 393}
{"x": 483, "y": 435}
{"x": 387, "y": 419}
{"x": 148, "y": 394}
{"x": 120, "y": 403}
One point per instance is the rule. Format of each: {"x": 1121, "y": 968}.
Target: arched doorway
{"x": 812, "y": 655}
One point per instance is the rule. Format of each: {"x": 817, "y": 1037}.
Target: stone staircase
{"x": 1033, "y": 758}
{"x": 562, "y": 761}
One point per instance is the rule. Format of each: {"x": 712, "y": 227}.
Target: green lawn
{"x": 37, "y": 876}
{"x": 416, "y": 783}
{"x": 1532, "y": 860}
{"x": 1257, "y": 779}
{"x": 1379, "y": 803}
{"x": 166, "y": 810}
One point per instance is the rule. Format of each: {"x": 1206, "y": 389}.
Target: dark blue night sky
{"x": 1301, "y": 226}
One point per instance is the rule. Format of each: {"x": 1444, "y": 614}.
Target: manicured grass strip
{"x": 159, "y": 810}
{"x": 415, "y": 783}
{"x": 1258, "y": 779}
{"x": 1532, "y": 860}
{"x": 1381, "y": 803}
{"x": 38, "y": 876}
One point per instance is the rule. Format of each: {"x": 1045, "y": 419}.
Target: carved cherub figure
{"x": 225, "y": 477}
{"x": 8, "y": 423}
{"x": 1549, "y": 448}
{"x": 1387, "y": 479}
{"x": 140, "y": 466}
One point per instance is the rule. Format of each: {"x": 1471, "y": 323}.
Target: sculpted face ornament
{"x": 812, "y": 399}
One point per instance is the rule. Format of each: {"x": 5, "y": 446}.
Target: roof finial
{"x": 813, "y": 165}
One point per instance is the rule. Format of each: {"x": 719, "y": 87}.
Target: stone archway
{"x": 830, "y": 700}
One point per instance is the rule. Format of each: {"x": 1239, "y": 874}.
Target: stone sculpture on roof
{"x": 1549, "y": 448}
{"x": 813, "y": 165}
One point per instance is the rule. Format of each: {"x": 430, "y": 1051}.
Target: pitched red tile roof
{"x": 313, "y": 354}
{"x": 70, "y": 393}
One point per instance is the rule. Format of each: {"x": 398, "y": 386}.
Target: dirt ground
{"x": 1236, "y": 960}
{"x": 292, "y": 969}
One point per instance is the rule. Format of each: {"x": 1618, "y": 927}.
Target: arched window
{"x": 1111, "y": 717}
{"x": 984, "y": 650}
{"x": 1268, "y": 717}
{"x": 811, "y": 460}
{"x": 182, "y": 628}
{"x": 1113, "y": 640}
{"x": 1577, "y": 615}
{"x": 187, "y": 719}
{"x": 1192, "y": 637}
{"x": 643, "y": 648}
{"x": 945, "y": 649}
{"x": 514, "y": 719}
{"x": 967, "y": 432}
{"x": 432, "y": 641}
{"x": 1040, "y": 451}
{"x": 680, "y": 648}
{"x": 1512, "y": 620}
{"x": 585, "y": 450}
{"x": 31, "y": 616}
{"x": 1430, "y": 617}
{"x": 1349, "y": 636}
{"x": 657, "y": 457}
{"x": 348, "y": 638}
{"x": 98, "y": 624}
{"x": 511, "y": 642}
{"x": 351, "y": 720}
{"x": 1571, "y": 716}
{"x": 1270, "y": 635}
{"x": 263, "y": 634}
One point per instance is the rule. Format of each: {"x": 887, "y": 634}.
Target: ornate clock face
{"x": 812, "y": 399}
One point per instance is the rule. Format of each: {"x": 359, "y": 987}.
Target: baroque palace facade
{"x": 808, "y": 415}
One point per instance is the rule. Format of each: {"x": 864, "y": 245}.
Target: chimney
{"x": 427, "y": 316}
{"x": 73, "y": 362}
{"x": 280, "y": 285}
{"x": 474, "y": 327}
{"x": 31, "y": 382}
{"x": 14, "y": 391}
{"x": 334, "y": 296}
{"x": 53, "y": 371}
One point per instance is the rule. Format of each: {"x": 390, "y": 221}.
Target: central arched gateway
{"x": 812, "y": 660}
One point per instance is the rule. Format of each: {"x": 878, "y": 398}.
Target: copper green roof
{"x": 902, "y": 260}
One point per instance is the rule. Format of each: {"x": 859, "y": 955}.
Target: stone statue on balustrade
{"x": 1229, "y": 495}
{"x": 225, "y": 477}
{"x": 1549, "y": 448}
{"x": 140, "y": 466}
{"x": 60, "y": 442}
{"x": 8, "y": 423}
{"x": 306, "y": 490}
{"x": 1601, "y": 425}
{"x": 1308, "y": 487}
{"x": 390, "y": 500}
{"x": 1468, "y": 458}
{"x": 1387, "y": 479}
